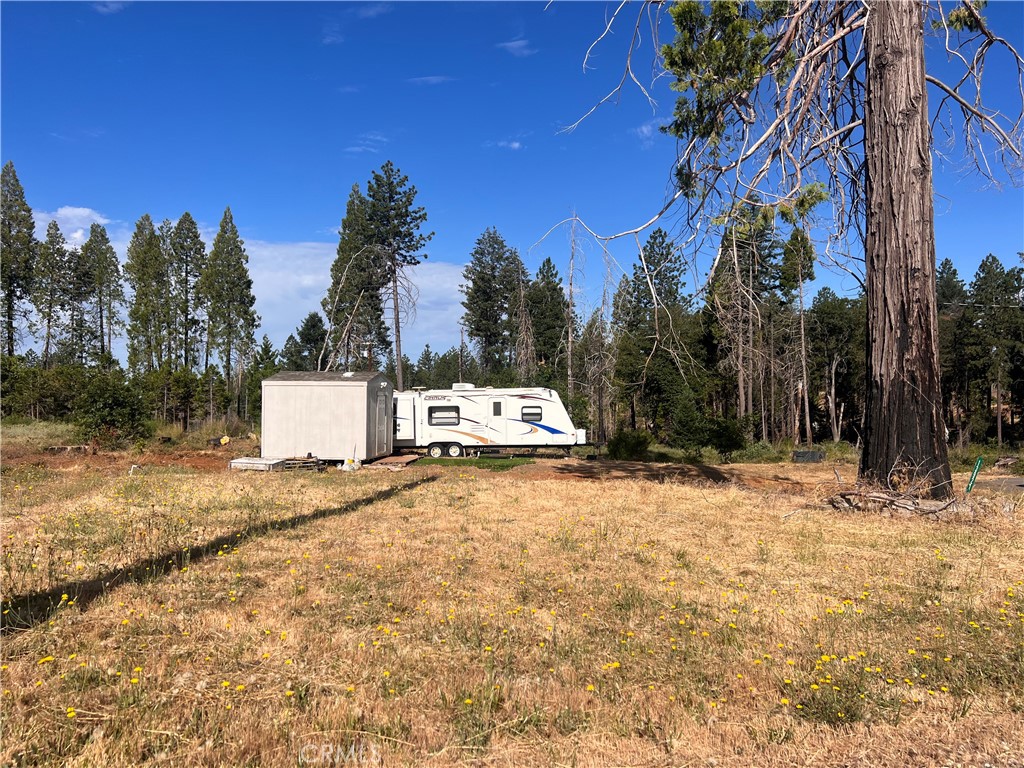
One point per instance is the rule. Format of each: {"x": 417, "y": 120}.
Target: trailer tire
{"x": 435, "y": 451}
{"x": 455, "y": 450}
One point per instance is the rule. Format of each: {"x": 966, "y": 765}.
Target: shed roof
{"x": 339, "y": 377}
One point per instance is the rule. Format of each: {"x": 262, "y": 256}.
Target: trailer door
{"x": 405, "y": 421}
{"x": 497, "y": 421}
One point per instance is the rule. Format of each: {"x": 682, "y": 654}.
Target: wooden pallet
{"x": 298, "y": 464}
{"x": 303, "y": 464}
{"x": 71, "y": 449}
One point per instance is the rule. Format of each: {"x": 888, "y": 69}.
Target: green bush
{"x": 708, "y": 455}
{"x": 725, "y": 435}
{"x": 109, "y": 411}
{"x": 629, "y": 445}
{"x": 963, "y": 459}
{"x": 842, "y": 451}
{"x": 761, "y": 452}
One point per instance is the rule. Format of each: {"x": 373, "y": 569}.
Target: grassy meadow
{"x": 450, "y": 615}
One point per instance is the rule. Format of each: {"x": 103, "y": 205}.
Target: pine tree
{"x": 594, "y": 354}
{"x": 547, "y": 304}
{"x": 798, "y": 261}
{"x": 188, "y": 259}
{"x": 146, "y": 274}
{"x": 226, "y": 290}
{"x": 995, "y": 296}
{"x": 107, "y": 290}
{"x": 951, "y": 297}
{"x": 651, "y": 333}
{"x": 265, "y": 363}
{"x": 77, "y": 345}
{"x": 302, "y": 349}
{"x": 835, "y": 333}
{"x": 740, "y": 292}
{"x": 353, "y": 304}
{"x": 425, "y": 368}
{"x": 18, "y": 248}
{"x": 50, "y": 284}
{"x": 495, "y": 278}
{"x": 393, "y": 230}
{"x": 950, "y": 292}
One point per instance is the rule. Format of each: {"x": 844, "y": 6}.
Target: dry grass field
{"x": 539, "y": 616}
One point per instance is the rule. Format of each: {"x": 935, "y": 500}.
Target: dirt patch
{"x": 117, "y": 462}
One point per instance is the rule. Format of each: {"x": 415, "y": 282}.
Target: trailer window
{"x": 496, "y": 408}
{"x": 532, "y": 413}
{"x": 443, "y": 416}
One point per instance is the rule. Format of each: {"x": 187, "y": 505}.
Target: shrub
{"x": 110, "y": 411}
{"x": 629, "y": 445}
{"x": 725, "y": 435}
{"x": 761, "y": 452}
{"x": 842, "y": 451}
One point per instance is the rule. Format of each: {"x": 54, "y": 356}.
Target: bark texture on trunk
{"x": 904, "y": 436}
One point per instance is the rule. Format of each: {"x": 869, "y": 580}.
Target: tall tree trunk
{"x": 400, "y": 385}
{"x": 904, "y": 430}
{"x": 741, "y": 385}
{"x": 9, "y": 320}
{"x": 773, "y": 395}
{"x": 803, "y": 359}
{"x": 750, "y": 343}
{"x": 999, "y": 415}
{"x": 103, "y": 340}
{"x": 110, "y": 325}
{"x": 570, "y": 330}
{"x": 46, "y": 340}
{"x": 835, "y": 415}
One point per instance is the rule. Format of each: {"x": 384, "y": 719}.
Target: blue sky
{"x": 112, "y": 110}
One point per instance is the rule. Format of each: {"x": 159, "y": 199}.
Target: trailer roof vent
{"x": 460, "y": 386}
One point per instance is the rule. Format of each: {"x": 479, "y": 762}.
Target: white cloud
{"x": 430, "y": 80}
{"x": 331, "y": 34}
{"x": 648, "y": 132}
{"x": 372, "y": 10}
{"x": 372, "y": 141}
{"x": 290, "y": 280}
{"x": 510, "y": 144}
{"x": 74, "y": 222}
{"x": 519, "y": 47}
{"x": 336, "y": 27}
{"x": 108, "y": 8}
{"x": 438, "y": 308}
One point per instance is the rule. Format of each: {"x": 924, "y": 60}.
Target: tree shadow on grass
{"x": 607, "y": 469}
{"x": 24, "y": 612}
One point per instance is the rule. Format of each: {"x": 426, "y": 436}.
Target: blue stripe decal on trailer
{"x": 546, "y": 428}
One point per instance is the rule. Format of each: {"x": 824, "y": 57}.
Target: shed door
{"x": 382, "y": 423}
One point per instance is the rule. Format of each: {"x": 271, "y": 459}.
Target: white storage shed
{"x": 331, "y": 415}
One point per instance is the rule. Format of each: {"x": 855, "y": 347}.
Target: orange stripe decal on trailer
{"x": 483, "y": 440}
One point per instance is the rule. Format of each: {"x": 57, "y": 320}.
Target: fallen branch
{"x": 881, "y": 501}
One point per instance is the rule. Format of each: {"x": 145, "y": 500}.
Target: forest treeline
{"x": 750, "y": 358}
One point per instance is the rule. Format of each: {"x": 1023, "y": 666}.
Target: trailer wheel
{"x": 455, "y": 450}
{"x": 435, "y": 451}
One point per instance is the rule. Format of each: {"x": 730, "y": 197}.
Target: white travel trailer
{"x": 464, "y": 418}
